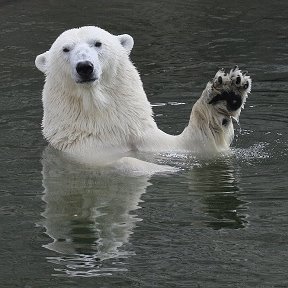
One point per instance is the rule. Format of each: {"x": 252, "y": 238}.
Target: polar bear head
{"x": 85, "y": 54}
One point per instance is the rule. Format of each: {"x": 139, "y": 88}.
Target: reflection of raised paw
{"x": 231, "y": 87}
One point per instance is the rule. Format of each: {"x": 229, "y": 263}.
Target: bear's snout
{"x": 85, "y": 71}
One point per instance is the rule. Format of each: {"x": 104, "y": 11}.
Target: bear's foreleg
{"x": 210, "y": 124}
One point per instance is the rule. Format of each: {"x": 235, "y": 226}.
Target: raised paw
{"x": 229, "y": 91}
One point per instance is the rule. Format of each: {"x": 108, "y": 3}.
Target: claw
{"x": 235, "y": 68}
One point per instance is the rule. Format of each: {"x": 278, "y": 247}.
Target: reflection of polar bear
{"x": 88, "y": 211}
{"x": 90, "y": 214}
{"x": 94, "y": 101}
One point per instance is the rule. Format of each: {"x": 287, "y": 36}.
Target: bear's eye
{"x": 98, "y": 44}
{"x": 65, "y": 49}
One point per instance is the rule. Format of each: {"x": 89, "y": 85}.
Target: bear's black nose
{"x": 84, "y": 68}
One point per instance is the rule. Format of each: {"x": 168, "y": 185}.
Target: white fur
{"x": 112, "y": 114}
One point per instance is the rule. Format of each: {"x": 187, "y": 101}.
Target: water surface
{"x": 217, "y": 223}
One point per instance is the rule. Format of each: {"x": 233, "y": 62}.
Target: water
{"x": 216, "y": 223}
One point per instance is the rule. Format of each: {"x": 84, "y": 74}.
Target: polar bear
{"x": 95, "y": 105}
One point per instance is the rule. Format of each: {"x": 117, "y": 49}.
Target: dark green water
{"x": 217, "y": 223}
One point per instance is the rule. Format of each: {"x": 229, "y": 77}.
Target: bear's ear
{"x": 41, "y": 61}
{"x": 126, "y": 41}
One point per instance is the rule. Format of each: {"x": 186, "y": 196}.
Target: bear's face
{"x": 84, "y": 54}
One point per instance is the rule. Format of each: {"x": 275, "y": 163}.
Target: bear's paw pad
{"x": 232, "y": 87}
